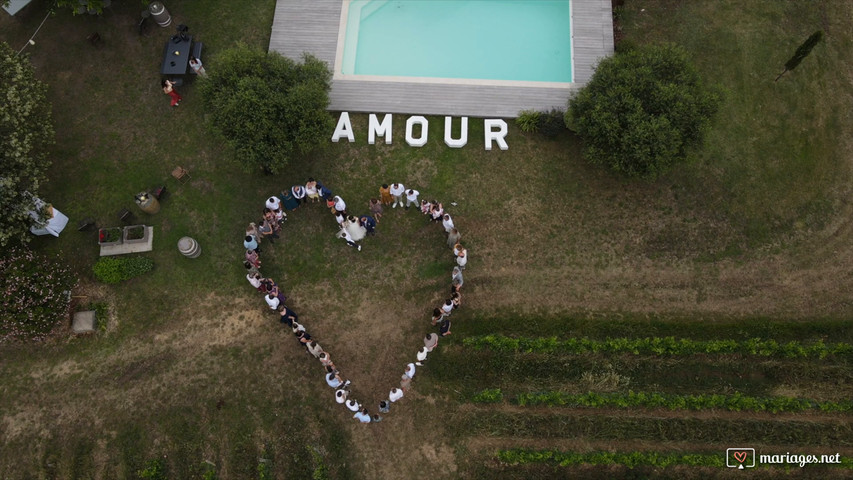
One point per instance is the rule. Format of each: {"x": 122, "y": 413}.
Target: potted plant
{"x": 109, "y": 236}
{"x": 135, "y": 234}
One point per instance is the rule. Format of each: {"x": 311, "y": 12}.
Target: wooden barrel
{"x": 148, "y": 203}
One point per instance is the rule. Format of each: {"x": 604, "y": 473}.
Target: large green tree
{"x": 266, "y": 107}
{"x": 26, "y": 130}
{"x": 642, "y": 109}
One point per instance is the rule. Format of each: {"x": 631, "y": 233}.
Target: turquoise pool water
{"x": 521, "y": 40}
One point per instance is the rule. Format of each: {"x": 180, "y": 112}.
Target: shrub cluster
{"x": 267, "y": 107}
{"x": 528, "y": 121}
{"x": 660, "y": 346}
{"x": 119, "y": 269}
{"x": 36, "y": 294}
{"x": 642, "y": 110}
{"x": 489, "y": 395}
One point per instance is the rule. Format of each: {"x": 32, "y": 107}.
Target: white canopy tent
{"x": 53, "y": 224}
{"x": 16, "y": 5}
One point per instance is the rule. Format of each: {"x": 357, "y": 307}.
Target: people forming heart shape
{"x": 353, "y": 229}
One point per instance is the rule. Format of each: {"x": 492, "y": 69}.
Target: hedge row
{"x": 734, "y": 403}
{"x": 119, "y": 269}
{"x": 521, "y": 456}
{"x": 659, "y": 346}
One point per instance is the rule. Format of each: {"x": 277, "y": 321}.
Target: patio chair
{"x": 181, "y": 174}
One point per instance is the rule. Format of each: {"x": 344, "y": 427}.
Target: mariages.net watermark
{"x": 745, "y": 458}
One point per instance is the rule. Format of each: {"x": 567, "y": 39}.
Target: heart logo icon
{"x": 352, "y": 230}
{"x": 740, "y": 456}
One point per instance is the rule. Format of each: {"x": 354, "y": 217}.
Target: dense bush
{"x": 36, "y": 294}
{"x": 119, "y": 269}
{"x": 641, "y": 110}
{"x": 552, "y": 122}
{"x": 266, "y": 107}
{"x": 26, "y": 130}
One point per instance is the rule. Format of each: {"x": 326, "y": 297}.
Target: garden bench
{"x": 197, "y": 47}
{"x": 196, "y": 52}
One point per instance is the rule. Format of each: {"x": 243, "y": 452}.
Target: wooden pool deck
{"x": 312, "y": 26}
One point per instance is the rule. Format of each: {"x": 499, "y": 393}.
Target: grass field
{"x": 192, "y": 377}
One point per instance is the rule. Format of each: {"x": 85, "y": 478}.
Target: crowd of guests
{"x": 353, "y": 229}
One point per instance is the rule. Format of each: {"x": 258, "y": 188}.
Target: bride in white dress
{"x": 355, "y": 230}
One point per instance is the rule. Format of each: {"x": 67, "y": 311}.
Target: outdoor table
{"x": 176, "y": 55}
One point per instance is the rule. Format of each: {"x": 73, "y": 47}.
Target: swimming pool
{"x": 436, "y": 40}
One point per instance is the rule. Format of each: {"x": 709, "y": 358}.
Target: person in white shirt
{"x": 254, "y": 279}
{"x": 340, "y": 205}
{"x": 395, "y": 395}
{"x": 346, "y": 236}
{"x": 422, "y": 355}
{"x": 447, "y": 308}
{"x": 272, "y": 301}
{"x": 340, "y": 218}
{"x": 397, "y": 191}
{"x": 447, "y": 222}
{"x": 341, "y": 395}
{"x": 411, "y": 198}
{"x": 197, "y": 66}
{"x": 353, "y": 405}
{"x": 462, "y": 258}
{"x": 273, "y": 203}
{"x": 410, "y": 370}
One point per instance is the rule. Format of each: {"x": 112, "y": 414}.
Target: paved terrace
{"x": 312, "y": 26}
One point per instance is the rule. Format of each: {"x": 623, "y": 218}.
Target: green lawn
{"x": 192, "y": 372}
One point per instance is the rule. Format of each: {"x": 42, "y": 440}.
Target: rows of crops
{"x": 553, "y": 406}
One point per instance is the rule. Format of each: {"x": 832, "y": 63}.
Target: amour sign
{"x": 494, "y": 131}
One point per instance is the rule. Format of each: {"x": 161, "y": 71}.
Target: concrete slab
{"x": 84, "y": 322}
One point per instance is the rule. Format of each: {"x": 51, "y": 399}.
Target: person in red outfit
{"x": 170, "y": 91}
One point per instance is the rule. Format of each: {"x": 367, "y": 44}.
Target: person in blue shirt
{"x": 362, "y": 416}
{"x": 250, "y": 243}
{"x": 368, "y": 223}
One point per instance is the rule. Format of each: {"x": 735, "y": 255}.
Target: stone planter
{"x": 135, "y": 234}
{"x": 110, "y": 236}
